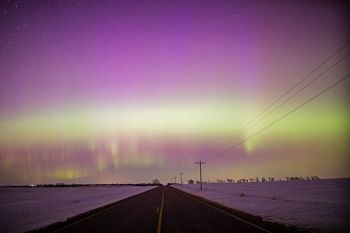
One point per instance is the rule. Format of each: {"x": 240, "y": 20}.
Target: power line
{"x": 262, "y": 114}
{"x": 283, "y": 116}
{"x": 295, "y": 94}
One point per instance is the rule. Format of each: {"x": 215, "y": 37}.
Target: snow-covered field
{"x": 319, "y": 206}
{"x": 24, "y": 209}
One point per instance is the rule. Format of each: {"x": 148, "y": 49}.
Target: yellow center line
{"x": 159, "y": 226}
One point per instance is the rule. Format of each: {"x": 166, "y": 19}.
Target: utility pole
{"x": 175, "y": 179}
{"x": 200, "y": 171}
{"x": 181, "y": 173}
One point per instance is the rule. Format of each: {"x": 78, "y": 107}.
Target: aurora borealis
{"x": 129, "y": 91}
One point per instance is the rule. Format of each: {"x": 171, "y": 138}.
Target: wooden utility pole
{"x": 181, "y": 173}
{"x": 200, "y": 171}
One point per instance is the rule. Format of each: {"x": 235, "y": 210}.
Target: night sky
{"x": 130, "y": 91}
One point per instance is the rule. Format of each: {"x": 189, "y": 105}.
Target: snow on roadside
{"x": 320, "y": 206}
{"x": 24, "y": 209}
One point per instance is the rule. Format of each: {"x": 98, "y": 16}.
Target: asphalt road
{"x": 167, "y": 210}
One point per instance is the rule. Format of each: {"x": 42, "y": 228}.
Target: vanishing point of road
{"x": 166, "y": 209}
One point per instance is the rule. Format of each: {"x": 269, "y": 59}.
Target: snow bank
{"x": 24, "y": 209}
{"x": 320, "y": 206}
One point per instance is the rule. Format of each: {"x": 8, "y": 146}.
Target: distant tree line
{"x": 302, "y": 178}
{"x": 256, "y": 180}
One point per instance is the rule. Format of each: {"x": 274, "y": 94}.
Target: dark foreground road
{"x": 166, "y": 209}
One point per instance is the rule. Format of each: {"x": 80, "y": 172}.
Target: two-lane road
{"x": 167, "y": 210}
